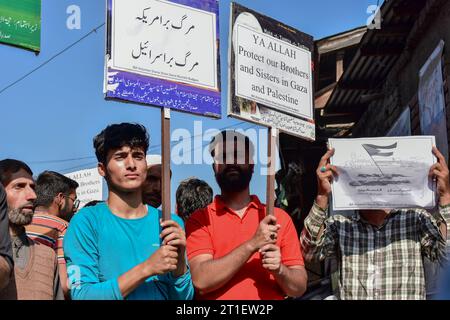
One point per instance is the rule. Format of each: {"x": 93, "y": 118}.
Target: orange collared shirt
{"x": 217, "y": 230}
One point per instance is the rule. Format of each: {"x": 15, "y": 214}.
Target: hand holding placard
{"x": 440, "y": 172}
{"x": 325, "y": 172}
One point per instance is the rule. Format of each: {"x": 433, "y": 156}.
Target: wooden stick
{"x": 165, "y": 143}
{"x": 271, "y": 144}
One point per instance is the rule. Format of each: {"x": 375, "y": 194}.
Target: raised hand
{"x": 325, "y": 173}
{"x": 439, "y": 171}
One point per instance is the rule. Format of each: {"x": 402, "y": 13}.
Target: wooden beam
{"x": 339, "y": 64}
{"x": 353, "y": 108}
{"x": 321, "y": 100}
{"x": 390, "y": 50}
{"x": 339, "y": 118}
{"x": 360, "y": 84}
{"x": 409, "y": 8}
{"x": 394, "y": 30}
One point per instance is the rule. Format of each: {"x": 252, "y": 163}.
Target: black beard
{"x": 18, "y": 218}
{"x": 66, "y": 214}
{"x": 236, "y": 182}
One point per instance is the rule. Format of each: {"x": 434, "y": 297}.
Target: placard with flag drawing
{"x": 383, "y": 173}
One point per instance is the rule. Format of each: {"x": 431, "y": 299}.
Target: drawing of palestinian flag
{"x": 375, "y": 150}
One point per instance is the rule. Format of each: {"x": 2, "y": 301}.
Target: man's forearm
{"x": 322, "y": 201}
{"x": 132, "y": 279}
{"x": 312, "y": 233}
{"x": 63, "y": 280}
{"x": 292, "y": 280}
{"x": 213, "y": 274}
{"x": 5, "y": 273}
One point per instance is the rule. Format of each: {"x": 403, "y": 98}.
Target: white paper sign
{"x": 90, "y": 185}
{"x": 383, "y": 173}
{"x": 273, "y": 72}
{"x": 165, "y": 40}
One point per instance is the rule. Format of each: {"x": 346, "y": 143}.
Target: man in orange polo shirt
{"x": 235, "y": 251}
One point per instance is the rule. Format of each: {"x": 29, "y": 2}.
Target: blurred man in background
{"x": 192, "y": 194}
{"x": 55, "y": 205}
{"x": 151, "y": 190}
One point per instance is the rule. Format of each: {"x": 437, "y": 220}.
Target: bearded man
{"x": 35, "y": 274}
{"x": 55, "y": 205}
{"x": 235, "y": 250}
{"x": 6, "y": 259}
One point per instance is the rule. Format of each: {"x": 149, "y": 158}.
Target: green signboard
{"x": 20, "y": 23}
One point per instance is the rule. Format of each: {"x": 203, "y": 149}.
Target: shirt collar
{"x": 48, "y": 215}
{"x": 18, "y": 241}
{"x": 219, "y": 205}
{"x": 357, "y": 217}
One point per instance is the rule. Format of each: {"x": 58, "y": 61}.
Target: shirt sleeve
{"x": 432, "y": 242}
{"x": 290, "y": 247}
{"x": 59, "y": 246}
{"x": 5, "y": 240}
{"x": 58, "y": 293}
{"x": 199, "y": 239}
{"x": 444, "y": 211}
{"x": 317, "y": 245}
{"x": 81, "y": 253}
{"x": 177, "y": 288}
{"x": 5, "y": 273}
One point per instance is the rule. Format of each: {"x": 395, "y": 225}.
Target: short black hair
{"x": 49, "y": 184}
{"x": 192, "y": 194}
{"x": 10, "y": 166}
{"x": 93, "y": 203}
{"x": 116, "y": 136}
{"x": 225, "y": 135}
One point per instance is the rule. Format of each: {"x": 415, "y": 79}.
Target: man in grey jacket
{"x": 6, "y": 260}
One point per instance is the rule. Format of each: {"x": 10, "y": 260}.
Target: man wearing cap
{"x": 235, "y": 251}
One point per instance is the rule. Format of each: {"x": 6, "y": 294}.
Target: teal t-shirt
{"x": 100, "y": 246}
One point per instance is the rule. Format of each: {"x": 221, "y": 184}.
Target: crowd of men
{"x": 222, "y": 247}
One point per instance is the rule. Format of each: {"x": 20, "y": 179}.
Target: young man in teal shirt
{"x": 120, "y": 249}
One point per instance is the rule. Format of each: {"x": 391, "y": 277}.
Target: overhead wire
{"x": 51, "y": 58}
